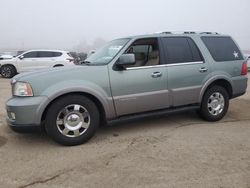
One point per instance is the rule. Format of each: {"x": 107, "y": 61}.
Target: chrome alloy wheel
{"x": 216, "y": 103}
{"x": 6, "y": 71}
{"x": 73, "y": 120}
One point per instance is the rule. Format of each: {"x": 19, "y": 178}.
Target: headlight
{"x": 22, "y": 89}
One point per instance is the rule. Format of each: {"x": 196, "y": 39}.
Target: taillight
{"x": 244, "y": 69}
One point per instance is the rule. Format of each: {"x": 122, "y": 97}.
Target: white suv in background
{"x": 247, "y": 56}
{"x": 34, "y": 60}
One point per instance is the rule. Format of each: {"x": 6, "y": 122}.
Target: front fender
{"x": 71, "y": 86}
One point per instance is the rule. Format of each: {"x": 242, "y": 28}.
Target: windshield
{"x": 105, "y": 54}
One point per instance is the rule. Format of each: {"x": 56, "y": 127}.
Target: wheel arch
{"x": 220, "y": 81}
{"x": 8, "y": 64}
{"x": 58, "y": 65}
{"x": 97, "y": 102}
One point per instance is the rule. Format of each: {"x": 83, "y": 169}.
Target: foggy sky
{"x": 72, "y": 24}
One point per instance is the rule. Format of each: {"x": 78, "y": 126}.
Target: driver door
{"x": 142, "y": 87}
{"x": 28, "y": 61}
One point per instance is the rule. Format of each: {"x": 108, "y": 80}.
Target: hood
{"x": 40, "y": 80}
{"x": 69, "y": 72}
{"x": 40, "y": 73}
{"x": 4, "y": 61}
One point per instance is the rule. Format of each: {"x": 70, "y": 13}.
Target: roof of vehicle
{"x": 46, "y": 50}
{"x": 178, "y": 33}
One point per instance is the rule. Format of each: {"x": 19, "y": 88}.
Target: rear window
{"x": 222, "y": 48}
{"x": 181, "y": 50}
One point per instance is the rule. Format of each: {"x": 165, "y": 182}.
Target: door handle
{"x": 203, "y": 69}
{"x": 156, "y": 74}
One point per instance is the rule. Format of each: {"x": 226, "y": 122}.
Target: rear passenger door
{"x": 46, "y": 59}
{"x": 186, "y": 70}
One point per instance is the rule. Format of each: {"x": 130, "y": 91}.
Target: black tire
{"x": 8, "y": 71}
{"x": 56, "y": 110}
{"x": 209, "y": 113}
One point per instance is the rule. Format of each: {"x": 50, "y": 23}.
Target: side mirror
{"x": 21, "y": 57}
{"x": 126, "y": 59}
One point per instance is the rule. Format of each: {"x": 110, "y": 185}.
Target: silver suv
{"x": 128, "y": 77}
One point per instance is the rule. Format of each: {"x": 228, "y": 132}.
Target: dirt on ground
{"x": 178, "y": 150}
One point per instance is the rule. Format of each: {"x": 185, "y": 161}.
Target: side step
{"x": 153, "y": 113}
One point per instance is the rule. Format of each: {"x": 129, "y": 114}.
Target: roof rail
{"x": 208, "y": 32}
{"x": 186, "y": 32}
{"x": 166, "y": 32}
{"x": 189, "y": 32}
{"x": 177, "y": 32}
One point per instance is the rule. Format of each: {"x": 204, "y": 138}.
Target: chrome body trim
{"x": 165, "y": 65}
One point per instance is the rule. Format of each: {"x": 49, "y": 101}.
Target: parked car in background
{"x": 247, "y": 56}
{"x": 2, "y": 57}
{"x": 134, "y": 76}
{"x": 33, "y": 60}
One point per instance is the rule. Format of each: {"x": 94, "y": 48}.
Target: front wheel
{"x": 214, "y": 104}
{"x": 8, "y": 71}
{"x": 72, "y": 120}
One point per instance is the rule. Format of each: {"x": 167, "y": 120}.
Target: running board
{"x": 154, "y": 113}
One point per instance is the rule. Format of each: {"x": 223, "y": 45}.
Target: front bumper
{"x": 24, "y": 113}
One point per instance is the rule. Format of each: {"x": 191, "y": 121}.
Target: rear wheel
{"x": 72, "y": 120}
{"x": 215, "y": 104}
{"x": 8, "y": 71}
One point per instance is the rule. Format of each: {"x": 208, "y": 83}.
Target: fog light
{"x": 13, "y": 115}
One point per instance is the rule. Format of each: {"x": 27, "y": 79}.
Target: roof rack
{"x": 186, "y": 32}
{"x": 177, "y": 32}
{"x": 215, "y": 33}
{"x": 189, "y": 32}
{"x": 166, "y": 32}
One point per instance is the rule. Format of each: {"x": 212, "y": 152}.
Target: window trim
{"x": 186, "y": 37}
{"x": 165, "y": 65}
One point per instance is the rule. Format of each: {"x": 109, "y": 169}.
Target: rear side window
{"x": 222, "y": 48}
{"x": 181, "y": 50}
{"x": 195, "y": 51}
{"x": 49, "y": 54}
{"x": 57, "y": 54}
{"x": 45, "y": 54}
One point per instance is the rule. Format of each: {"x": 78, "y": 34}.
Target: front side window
{"x": 222, "y": 48}
{"x": 146, "y": 52}
{"x": 30, "y": 55}
{"x": 106, "y": 54}
{"x": 180, "y": 50}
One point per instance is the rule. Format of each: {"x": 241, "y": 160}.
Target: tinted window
{"x": 180, "y": 50}
{"x": 222, "y": 48}
{"x": 45, "y": 54}
{"x": 195, "y": 51}
{"x": 57, "y": 54}
{"x": 31, "y": 55}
